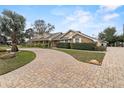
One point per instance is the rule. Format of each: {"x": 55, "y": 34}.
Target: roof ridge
{"x": 86, "y": 35}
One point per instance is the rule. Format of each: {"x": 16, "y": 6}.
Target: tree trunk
{"x": 14, "y": 43}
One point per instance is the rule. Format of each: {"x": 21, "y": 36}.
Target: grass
{"x": 4, "y": 46}
{"x": 21, "y": 59}
{"x": 83, "y": 55}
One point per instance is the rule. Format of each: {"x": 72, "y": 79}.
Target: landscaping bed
{"x": 21, "y": 59}
{"x": 93, "y": 57}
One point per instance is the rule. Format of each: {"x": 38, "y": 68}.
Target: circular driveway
{"x": 53, "y": 68}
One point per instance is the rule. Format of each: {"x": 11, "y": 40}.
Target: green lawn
{"x": 22, "y": 58}
{"x": 83, "y": 55}
{"x": 4, "y": 46}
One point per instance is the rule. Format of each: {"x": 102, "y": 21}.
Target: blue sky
{"x": 90, "y": 19}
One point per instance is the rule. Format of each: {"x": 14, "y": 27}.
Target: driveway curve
{"x": 53, "y": 68}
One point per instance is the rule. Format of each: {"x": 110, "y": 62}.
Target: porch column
{"x": 43, "y": 42}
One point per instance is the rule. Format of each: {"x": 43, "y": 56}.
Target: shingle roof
{"x": 52, "y": 36}
{"x": 86, "y": 35}
{"x": 61, "y": 36}
{"x": 75, "y": 33}
{"x": 55, "y": 36}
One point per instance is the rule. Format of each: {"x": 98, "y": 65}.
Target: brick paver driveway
{"x": 52, "y": 68}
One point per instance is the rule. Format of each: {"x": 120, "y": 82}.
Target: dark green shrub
{"x": 43, "y": 45}
{"x": 39, "y": 45}
{"x": 80, "y": 46}
{"x": 46, "y": 46}
{"x": 100, "y": 48}
{"x": 83, "y": 46}
{"x": 63, "y": 45}
{"x": 28, "y": 45}
{"x": 23, "y": 45}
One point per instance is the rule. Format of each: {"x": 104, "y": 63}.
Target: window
{"x": 66, "y": 41}
{"x": 76, "y": 40}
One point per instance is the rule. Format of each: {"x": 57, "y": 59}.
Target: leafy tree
{"x": 41, "y": 27}
{"x": 12, "y": 24}
{"x": 120, "y": 38}
{"x": 29, "y": 33}
{"x": 101, "y": 36}
{"x": 108, "y": 35}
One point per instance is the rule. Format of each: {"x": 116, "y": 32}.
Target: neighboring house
{"x": 69, "y": 37}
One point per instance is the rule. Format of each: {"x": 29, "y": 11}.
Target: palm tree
{"x": 12, "y": 24}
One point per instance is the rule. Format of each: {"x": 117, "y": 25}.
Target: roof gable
{"x": 55, "y": 36}
{"x": 68, "y": 34}
{"x": 81, "y": 36}
{"x": 60, "y": 36}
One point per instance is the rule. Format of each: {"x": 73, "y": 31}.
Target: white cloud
{"x": 109, "y": 17}
{"x": 112, "y": 7}
{"x": 107, "y": 8}
{"x": 107, "y": 12}
{"x": 86, "y": 21}
{"x": 78, "y": 19}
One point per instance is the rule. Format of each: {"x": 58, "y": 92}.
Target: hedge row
{"x": 81, "y": 46}
{"x": 36, "y": 45}
{"x": 64, "y": 45}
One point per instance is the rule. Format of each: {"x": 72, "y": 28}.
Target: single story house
{"x": 69, "y": 37}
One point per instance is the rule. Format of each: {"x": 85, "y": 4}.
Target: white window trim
{"x": 73, "y": 40}
{"x": 79, "y": 40}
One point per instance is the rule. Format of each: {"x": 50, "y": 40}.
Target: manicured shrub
{"x": 63, "y": 45}
{"x": 46, "y": 46}
{"x": 83, "y": 46}
{"x": 43, "y": 45}
{"x": 80, "y": 46}
{"x": 39, "y": 45}
{"x": 28, "y": 45}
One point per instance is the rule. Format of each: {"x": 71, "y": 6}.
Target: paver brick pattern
{"x": 56, "y": 69}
